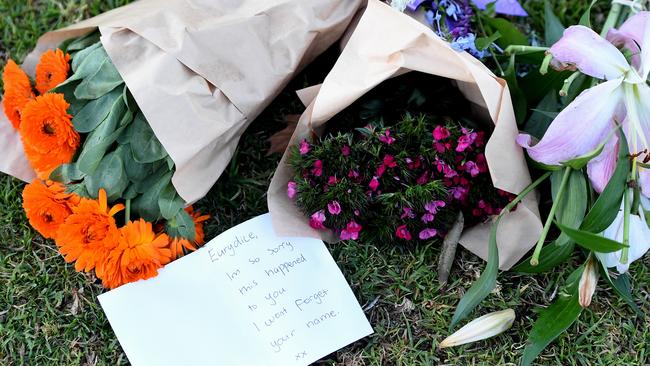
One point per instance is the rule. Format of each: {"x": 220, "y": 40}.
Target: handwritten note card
{"x": 247, "y": 297}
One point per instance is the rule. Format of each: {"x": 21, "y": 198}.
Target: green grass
{"x": 49, "y": 314}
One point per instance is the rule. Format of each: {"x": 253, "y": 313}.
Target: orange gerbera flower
{"x": 52, "y": 70}
{"x": 179, "y": 245}
{"x": 49, "y": 138}
{"x": 88, "y": 235}
{"x": 138, "y": 256}
{"x": 18, "y": 92}
{"x": 47, "y": 206}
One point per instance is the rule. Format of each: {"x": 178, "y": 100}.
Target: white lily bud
{"x": 588, "y": 281}
{"x": 481, "y": 328}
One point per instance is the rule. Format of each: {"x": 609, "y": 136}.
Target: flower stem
{"x": 127, "y": 212}
{"x": 626, "y": 227}
{"x": 524, "y": 193}
{"x": 612, "y": 18}
{"x": 567, "y": 84}
{"x": 515, "y": 49}
{"x": 547, "y": 226}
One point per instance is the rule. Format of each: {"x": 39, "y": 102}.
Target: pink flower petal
{"x": 580, "y": 127}
{"x": 590, "y": 53}
{"x": 601, "y": 168}
{"x": 635, "y": 33}
{"x": 644, "y": 181}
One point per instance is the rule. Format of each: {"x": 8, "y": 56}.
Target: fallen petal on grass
{"x": 484, "y": 327}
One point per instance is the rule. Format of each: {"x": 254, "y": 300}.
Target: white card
{"x": 248, "y": 297}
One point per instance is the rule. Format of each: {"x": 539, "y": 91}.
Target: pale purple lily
{"x": 639, "y": 240}
{"x": 506, "y": 7}
{"x": 623, "y": 99}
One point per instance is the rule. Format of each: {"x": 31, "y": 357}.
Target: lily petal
{"x": 644, "y": 182}
{"x": 635, "y": 33}
{"x": 590, "y": 53}
{"x": 639, "y": 241}
{"x": 601, "y": 168}
{"x": 580, "y": 127}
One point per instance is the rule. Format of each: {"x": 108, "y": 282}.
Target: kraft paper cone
{"x": 384, "y": 44}
{"x": 201, "y": 71}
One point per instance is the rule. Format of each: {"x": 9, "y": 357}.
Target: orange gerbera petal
{"x": 47, "y": 206}
{"x": 138, "y": 256}
{"x": 18, "y": 92}
{"x": 52, "y": 70}
{"x": 179, "y": 246}
{"x": 49, "y": 138}
{"x": 88, "y": 235}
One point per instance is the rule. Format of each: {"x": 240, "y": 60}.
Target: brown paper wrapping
{"x": 200, "y": 70}
{"x": 385, "y": 44}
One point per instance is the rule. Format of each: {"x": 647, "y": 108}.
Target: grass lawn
{"x": 49, "y": 314}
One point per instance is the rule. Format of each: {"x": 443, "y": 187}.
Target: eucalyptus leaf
{"x": 102, "y": 81}
{"x": 101, "y": 138}
{"x": 93, "y": 113}
{"x": 67, "y": 173}
{"x": 110, "y": 176}
{"x": 554, "y": 320}
{"x": 146, "y": 205}
{"x": 84, "y": 41}
{"x": 592, "y": 241}
{"x": 156, "y": 172}
{"x": 144, "y": 144}
{"x": 87, "y": 61}
{"x": 606, "y": 207}
{"x": 181, "y": 226}
{"x": 553, "y": 28}
{"x": 67, "y": 89}
{"x": 170, "y": 202}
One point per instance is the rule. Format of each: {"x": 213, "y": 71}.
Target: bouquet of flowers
{"x": 395, "y": 180}
{"x": 98, "y": 163}
{"x": 592, "y": 144}
{"x": 96, "y": 132}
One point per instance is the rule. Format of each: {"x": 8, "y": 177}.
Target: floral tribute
{"x": 103, "y": 191}
{"x": 403, "y": 183}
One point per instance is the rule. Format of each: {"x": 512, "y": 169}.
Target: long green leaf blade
{"x": 591, "y": 241}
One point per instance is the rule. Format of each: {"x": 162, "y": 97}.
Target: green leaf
{"x": 101, "y": 138}
{"x": 518, "y": 98}
{"x": 510, "y": 34}
{"x": 102, "y": 81}
{"x": 146, "y": 205}
{"x": 67, "y": 89}
{"x": 553, "y": 28}
{"x": 93, "y": 113}
{"x": 144, "y": 144}
{"x": 170, "y": 202}
{"x": 550, "y": 257}
{"x": 582, "y": 161}
{"x": 591, "y": 241}
{"x": 67, "y": 173}
{"x": 540, "y": 119}
{"x": 110, "y": 176}
{"x": 84, "y": 41}
{"x": 606, "y": 207}
{"x": 554, "y": 320}
{"x": 485, "y": 284}
{"x": 86, "y": 61}
{"x": 623, "y": 287}
{"x": 485, "y": 42}
{"x": 182, "y": 226}
{"x": 585, "y": 18}
{"x": 170, "y": 162}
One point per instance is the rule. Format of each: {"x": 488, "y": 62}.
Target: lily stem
{"x": 567, "y": 83}
{"x": 612, "y": 18}
{"x": 516, "y": 49}
{"x": 127, "y": 211}
{"x": 547, "y": 226}
{"x": 626, "y": 226}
